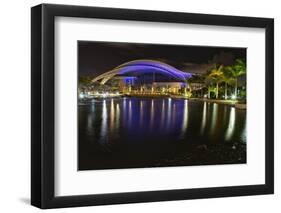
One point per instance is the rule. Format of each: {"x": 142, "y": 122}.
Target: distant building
{"x": 169, "y": 87}
{"x": 146, "y": 77}
{"x": 196, "y": 86}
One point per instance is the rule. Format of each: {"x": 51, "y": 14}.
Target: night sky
{"x": 95, "y": 58}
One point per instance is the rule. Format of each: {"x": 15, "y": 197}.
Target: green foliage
{"x": 224, "y": 74}
{"x": 196, "y": 79}
{"x": 227, "y": 75}
{"x": 242, "y": 94}
{"x": 238, "y": 69}
{"x": 84, "y": 80}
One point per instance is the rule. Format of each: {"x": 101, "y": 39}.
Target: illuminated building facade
{"x": 146, "y": 77}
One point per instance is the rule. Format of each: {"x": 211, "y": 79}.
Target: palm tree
{"x": 238, "y": 69}
{"x": 216, "y": 75}
{"x": 209, "y": 83}
{"x": 197, "y": 79}
{"x": 227, "y": 79}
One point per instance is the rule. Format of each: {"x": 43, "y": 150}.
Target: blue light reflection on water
{"x": 135, "y": 132}
{"x": 178, "y": 119}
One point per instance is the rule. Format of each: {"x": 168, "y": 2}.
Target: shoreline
{"x": 233, "y": 103}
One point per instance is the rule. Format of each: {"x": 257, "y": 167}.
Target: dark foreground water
{"x": 146, "y": 132}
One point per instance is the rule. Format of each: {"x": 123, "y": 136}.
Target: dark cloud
{"x": 225, "y": 58}
{"x": 95, "y": 58}
{"x": 196, "y": 68}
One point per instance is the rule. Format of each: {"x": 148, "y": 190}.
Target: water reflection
{"x": 174, "y": 112}
{"x": 141, "y": 113}
{"x": 185, "y": 118}
{"x": 204, "y": 118}
{"x": 231, "y": 124}
{"x": 162, "y": 122}
{"x": 151, "y": 115}
{"x": 214, "y": 119}
{"x": 224, "y": 114}
{"x": 103, "y": 122}
{"x": 124, "y": 104}
{"x": 130, "y": 113}
{"x": 117, "y": 116}
{"x": 112, "y": 114}
{"x": 89, "y": 122}
{"x": 173, "y": 119}
{"x": 244, "y": 133}
{"x": 169, "y": 112}
{"x": 127, "y": 130}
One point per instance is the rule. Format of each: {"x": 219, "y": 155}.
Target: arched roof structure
{"x": 139, "y": 67}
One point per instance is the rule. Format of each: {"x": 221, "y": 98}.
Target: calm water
{"x": 145, "y": 132}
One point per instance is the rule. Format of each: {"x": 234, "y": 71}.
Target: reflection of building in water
{"x": 185, "y": 119}
{"x": 103, "y": 131}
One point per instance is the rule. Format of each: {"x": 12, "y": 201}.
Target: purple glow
{"x": 139, "y": 67}
{"x": 129, "y": 79}
{"x": 143, "y": 66}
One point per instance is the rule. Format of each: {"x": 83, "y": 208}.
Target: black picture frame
{"x": 43, "y": 111}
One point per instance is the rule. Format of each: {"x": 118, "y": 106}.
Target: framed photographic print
{"x": 139, "y": 106}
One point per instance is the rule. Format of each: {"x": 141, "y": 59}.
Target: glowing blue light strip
{"x": 149, "y": 68}
{"x": 144, "y": 66}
